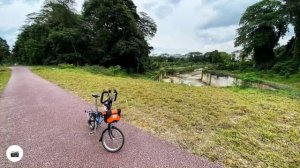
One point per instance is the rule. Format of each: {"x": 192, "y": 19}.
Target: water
{"x": 199, "y": 78}
{"x": 185, "y": 79}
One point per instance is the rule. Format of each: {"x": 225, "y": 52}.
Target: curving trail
{"x": 50, "y": 125}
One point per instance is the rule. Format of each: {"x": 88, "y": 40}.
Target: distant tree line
{"x": 107, "y": 33}
{"x": 262, "y": 26}
{"x": 191, "y": 58}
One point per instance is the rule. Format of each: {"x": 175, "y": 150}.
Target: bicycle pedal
{"x": 92, "y": 133}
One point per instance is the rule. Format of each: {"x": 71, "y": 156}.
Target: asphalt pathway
{"x": 50, "y": 125}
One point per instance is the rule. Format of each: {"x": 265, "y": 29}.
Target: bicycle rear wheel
{"x": 113, "y": 139}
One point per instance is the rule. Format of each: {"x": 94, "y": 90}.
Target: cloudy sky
{"x": 183, "y": 25}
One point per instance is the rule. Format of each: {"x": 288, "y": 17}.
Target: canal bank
{"x": 200, "y": 77}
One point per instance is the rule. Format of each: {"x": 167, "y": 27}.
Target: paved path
{"x": 50, "y": 126}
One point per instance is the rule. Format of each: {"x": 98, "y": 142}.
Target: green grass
{"x": 238, "y": 128}
{"x": 4, "y": 77}
{"x": 111, "y": 71}
{"x": 292, "y": 81}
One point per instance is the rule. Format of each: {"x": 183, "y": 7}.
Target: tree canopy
{"x": 109, "y": 32}
{"x": 51, "y": 36}
{"x": 261, "y": 27}
{"x": 293, "y": 9}
{"x": 117, "y": 33}
{"x": 4, "y": 50}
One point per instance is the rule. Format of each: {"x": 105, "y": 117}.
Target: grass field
{"x": 4, "y": 77}
{"x": 238, "y": 128}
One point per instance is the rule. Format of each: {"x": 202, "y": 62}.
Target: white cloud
{"x": 199, "y": 25}
{"x": 78, "y": 5}
{"x": 13, "y": 15}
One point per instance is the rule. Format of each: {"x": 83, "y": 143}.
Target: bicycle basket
{"x": 113, "y": 115}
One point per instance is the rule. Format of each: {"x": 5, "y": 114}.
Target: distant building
{"x": 236, "y": 56}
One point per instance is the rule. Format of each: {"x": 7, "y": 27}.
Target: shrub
{"x": 65, "y": 66}
{"x": 231, "y": 66}
{"x": 286, "y": 68}
{"x": 245, "y": 84}
{"x": 115, "y": 70}
{"x": 246, "y": 66}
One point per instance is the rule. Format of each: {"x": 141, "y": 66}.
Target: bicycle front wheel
{"x": 112, "y": 139}
{"x": 91, "y": 121}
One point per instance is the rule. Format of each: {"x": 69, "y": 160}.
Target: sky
{"x": 183, "y": 25}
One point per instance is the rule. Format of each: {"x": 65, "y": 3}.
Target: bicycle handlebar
{"x": 102, "y": 95}
{"x": 109, "y": 96}
{"x": 116, "y": 94}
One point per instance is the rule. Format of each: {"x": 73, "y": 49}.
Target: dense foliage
{"x": 191, "y": 58}
{"x": 262, "y": 25}
{"x": 4, "y": 50}
{"x": 117, "y": 33}
{"x": 108, "y": 33}
{"x": 293, "y": 9}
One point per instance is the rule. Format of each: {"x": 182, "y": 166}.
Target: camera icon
{"x": 14, "y": 154}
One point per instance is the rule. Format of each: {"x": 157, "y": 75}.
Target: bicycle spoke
{"x": 114, "y": 143}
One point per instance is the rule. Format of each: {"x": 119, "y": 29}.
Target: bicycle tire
{"x": 106, "y": 137}
{"x": 91, "y": 121}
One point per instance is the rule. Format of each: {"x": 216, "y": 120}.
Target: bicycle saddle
{"x": 95, "y": 95}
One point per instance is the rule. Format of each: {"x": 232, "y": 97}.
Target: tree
{"x": 215, "y": 57}
{"x": 4, "y": 50}
{"x": 195, "y": 57}
{"x": 293, "y": 8}
{"x": 117, "y": 33}
{"x": 285, "y": 52}
{"x": 147, "y": 25}
{"x": 66, "y": 39}
{"x": 261, "y": 27}
{"x": 110, "y": 32}
{"x": 52, "y": 36}
{"x": 30, "y": 47}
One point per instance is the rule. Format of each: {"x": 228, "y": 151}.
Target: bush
{"x": 115, "y": 70}
{"x": 228, "y": 66}
{"x": 65, "y": 66}
{"x": 231, "y": 66}
{"x": 245, "y": 84}
{"x": 286, "y": 68}
{"x": 111, "y": 71}
{"x": 246, "y": 66}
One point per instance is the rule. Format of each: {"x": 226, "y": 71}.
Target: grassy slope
{"x": 293, "y": 81}
{"x": 4, "y": 77}
{"x": 240, "y": 128}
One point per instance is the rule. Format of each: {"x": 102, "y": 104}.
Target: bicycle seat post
{"x": 96, "y": 104}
